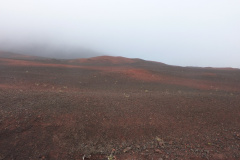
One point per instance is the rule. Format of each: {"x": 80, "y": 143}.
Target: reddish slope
{"x": 139, "y": 70}
{"x": 143, "y": 110}
{"x": 104, "y": 60}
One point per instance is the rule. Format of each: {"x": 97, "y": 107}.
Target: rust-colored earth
{"x": 116, "y": 108}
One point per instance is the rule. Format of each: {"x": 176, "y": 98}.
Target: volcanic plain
{"x": 107, "y": 108}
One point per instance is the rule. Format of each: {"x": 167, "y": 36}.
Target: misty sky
{"x": 176, "y": 32}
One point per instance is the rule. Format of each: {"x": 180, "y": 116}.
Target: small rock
{"x": 160, "y": 141}
{"x": 138, "y": 147}
{"x": 144, "y": 153}
{"x": 127, "y": 149}
{"x": 207, "y": 151}
{"x": 42, "y": 157}
{"x": 88, "y": 156}
{"x": 157, "y": 151}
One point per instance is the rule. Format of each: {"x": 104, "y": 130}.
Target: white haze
{"x": 186, "y": 32}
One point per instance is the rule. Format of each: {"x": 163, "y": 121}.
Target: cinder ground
{"x": 112, "y": 107}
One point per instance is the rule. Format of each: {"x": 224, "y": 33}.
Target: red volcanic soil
{"x": 117, "y": 108}
{"x": 104, "y": 60}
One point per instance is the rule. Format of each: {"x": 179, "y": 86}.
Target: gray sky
{"x": 186, "y": 32}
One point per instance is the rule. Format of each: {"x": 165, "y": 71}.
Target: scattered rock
{"x": 158, "y": 151}
{"x": 138, "y": 146}
{"x": 207, "y": 151}
{"x": 237, "y": 136}
{"x": 126, "y": 95}
{"x": 160, "y": 141}
{"x": 42, "y": 157}
{"x": 127, "y": 149}
{"x": 144, "y": 153}
{"x": 86, "y": 156}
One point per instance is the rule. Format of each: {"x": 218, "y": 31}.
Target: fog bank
{"x": 186, "y": 33}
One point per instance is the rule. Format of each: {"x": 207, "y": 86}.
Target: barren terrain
{"x": 116, "y": 108}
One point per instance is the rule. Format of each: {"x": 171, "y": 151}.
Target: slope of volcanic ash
{"x": 56, "y": 109}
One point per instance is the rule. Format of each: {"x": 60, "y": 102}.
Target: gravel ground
{"x": 142, "y": 110}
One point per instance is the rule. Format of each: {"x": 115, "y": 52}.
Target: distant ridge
{"x": 105, "y": 60}
{"x": 10, "y": 55}
{"x": 102, "y": 60}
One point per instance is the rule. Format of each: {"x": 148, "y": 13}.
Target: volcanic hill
{"x": 116, "y": 108}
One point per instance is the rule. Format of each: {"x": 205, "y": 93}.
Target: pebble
{"x": 127, "y": 149}
{"x": 158, "y": 151}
